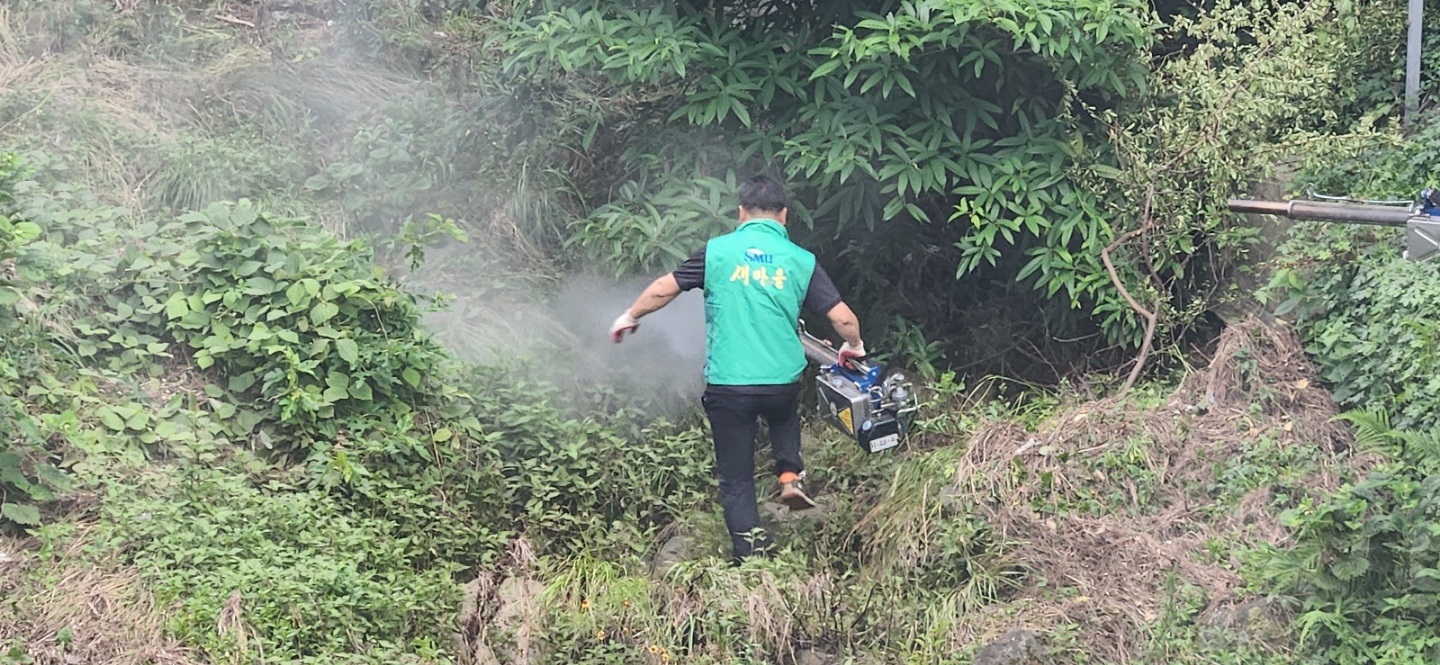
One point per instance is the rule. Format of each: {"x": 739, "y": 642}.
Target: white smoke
{"x": 564, "y": 340}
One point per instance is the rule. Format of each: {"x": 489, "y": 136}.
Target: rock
{"x": 1017, "y": 647}
{"x": 814, "y": 657}
{"x": 518, "y": 611}
{"x": 675, "y": 550}
{"x": 517, "y": 599}
{"x": 472, "y": 597}
{"x": 1252, "y": 622}
{"x": 483, "y": 656}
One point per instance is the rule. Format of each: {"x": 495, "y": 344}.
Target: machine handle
{"x": 819, "y": 352}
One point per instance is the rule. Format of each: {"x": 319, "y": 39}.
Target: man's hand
{"x": 623, "y": 324}
{"x": 849, "y": 354}
{"x": 657, "y": 295}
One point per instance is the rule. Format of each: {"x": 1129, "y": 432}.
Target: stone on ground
{"x": 1017, "y": 647}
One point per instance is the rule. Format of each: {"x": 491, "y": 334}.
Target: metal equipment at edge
{"x": 868, "y": 404}
{"x": 1421, "y": 221}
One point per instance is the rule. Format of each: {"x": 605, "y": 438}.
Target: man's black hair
{"x": 762, "y": 192}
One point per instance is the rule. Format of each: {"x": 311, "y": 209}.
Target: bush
{"x": 1368, "y": 324}
{"x": 28, "y": 475}
{"x": 1364, "y": 311}
{"x": 596, "y": 483}
{"x": 294, "y": 572}
{"x": 1366, "y": 564}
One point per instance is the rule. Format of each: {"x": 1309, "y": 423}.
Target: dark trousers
{"x": 734, "y": 412}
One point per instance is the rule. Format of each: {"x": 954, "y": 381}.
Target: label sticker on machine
{"x": 885, "y": 442}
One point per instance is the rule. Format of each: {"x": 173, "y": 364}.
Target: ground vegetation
{"x": 251, "y": 254}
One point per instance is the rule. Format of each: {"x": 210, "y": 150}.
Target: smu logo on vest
{"x": 754, "y": 255}
{"x": 749, "y": 272}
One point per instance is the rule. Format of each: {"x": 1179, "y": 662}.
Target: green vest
{"x": 755, "y": 282}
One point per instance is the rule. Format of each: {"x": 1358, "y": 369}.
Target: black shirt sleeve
{"x": 821, "y": 296}
{"x": 691, "y": 273}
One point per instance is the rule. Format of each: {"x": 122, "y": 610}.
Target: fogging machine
{"x": 864, "y": 402}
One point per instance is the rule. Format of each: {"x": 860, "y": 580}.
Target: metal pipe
{"x": 1332, "y": 212}
{"x": 1412, "y": 60}
{"x": 818, "y": 351}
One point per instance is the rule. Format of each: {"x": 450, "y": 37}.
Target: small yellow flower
{"x": 600, "y": 635}
{"x": 585, "y": 604}
{"x": 665, "y": 657}
{"x": 654, "y": 649}
{"x": 625, "y": 603}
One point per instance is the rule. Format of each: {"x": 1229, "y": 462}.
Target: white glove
{"x": 849, "y": 353}
{"x": 623, "y": 324}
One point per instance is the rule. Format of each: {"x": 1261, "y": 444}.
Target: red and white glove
{"x": 849, "y": 354}
{"x": 623, "y": 324}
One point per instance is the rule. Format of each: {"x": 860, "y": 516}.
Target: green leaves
{"x": 1364, "y": 320}
{"x": 293, "y": 323}
{"x": 111, "y": 419}
{"x": 121, "y": 418}
{"x": 337, "y": 387}
{"x": 196, "y": 543}
{"x": 177, "y": 306}
{"x": 20, "y": 513}
{"x": 903, "y": 119}
{"x": 632, "y": 234}
{"x": 1365, "y": 559}
{"x": 348, "y": 350}
{"x": 27, "y": 476}
{"x": 323, "y": 312}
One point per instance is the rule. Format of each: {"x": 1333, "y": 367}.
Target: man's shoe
{"x": 793, "y": 496}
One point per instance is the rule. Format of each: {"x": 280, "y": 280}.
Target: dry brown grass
{"x": 113, "y": 113}
{"x": 111, "y": 618}
{"x": 1151, "y": 532}
{"x": 1258, "y": 383}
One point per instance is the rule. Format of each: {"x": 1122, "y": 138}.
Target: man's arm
{"x": 823, "y": 298}
{"x": 657, "y": 295}
{"x": 690, "y": 275}
{"x": 845, "y": 324}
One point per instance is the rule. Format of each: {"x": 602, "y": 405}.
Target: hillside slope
{"x": 284, "y": 477}
{"x": 241, "y": 432}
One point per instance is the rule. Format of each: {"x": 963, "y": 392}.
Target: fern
{"x": 1372, "y": 427}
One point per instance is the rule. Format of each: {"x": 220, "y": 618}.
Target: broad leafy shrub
{"x": 1367, "y": 316}
{"x": 871, "y": 109}
{"x": 1003, "y": 144}
{"x": 1375, "y": 164}
{"x": 600, "y": 481}
{"x": 287, "y": 316}
{"x": 1366, "y": 565}
{"x": 285, "y": 337}
{"x": 28, "y": 475}
{"x": 1365, "y": 312}
{"x": 1365, "y": 570}
{"x": 264, "y": 575}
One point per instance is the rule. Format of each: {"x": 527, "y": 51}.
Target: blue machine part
{"x": 867, "y": 380}
{"x": 1430, "y": 201}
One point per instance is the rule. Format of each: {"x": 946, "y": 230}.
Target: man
{"x": 755, "y": 282}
